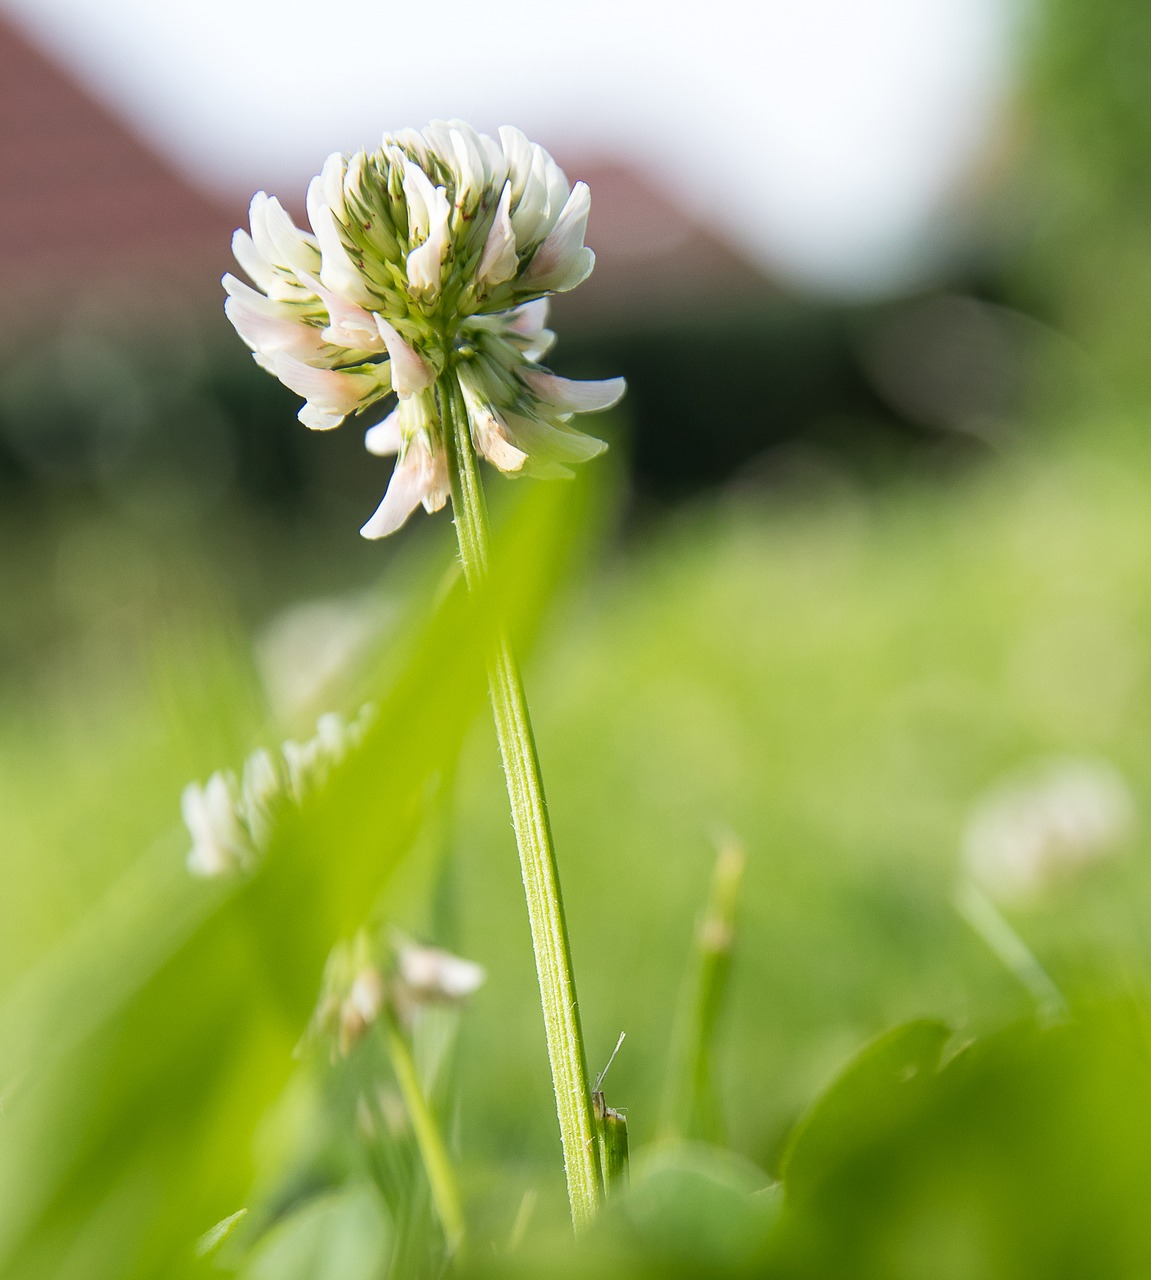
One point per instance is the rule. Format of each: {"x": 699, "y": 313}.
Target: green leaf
{"x": 861, "y": 1100}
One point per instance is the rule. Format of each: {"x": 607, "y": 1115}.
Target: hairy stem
{"x": 532, "y": 829}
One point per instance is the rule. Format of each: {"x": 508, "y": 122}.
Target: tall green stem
{"x": 532, "y": 830}
{"x": 437, "y": 1163}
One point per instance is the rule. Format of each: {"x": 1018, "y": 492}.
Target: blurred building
{"x": 94, "y": 206}
{"x": 86, "y": 205}
{"x": 102, "y": 235}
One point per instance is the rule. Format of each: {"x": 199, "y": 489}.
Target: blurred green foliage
{"x": 836, "y": 676}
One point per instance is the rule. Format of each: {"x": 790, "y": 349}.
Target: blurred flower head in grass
{"x": 1040, "y": 828}
{"x": 231, "y": 820}
{"x": 437, "y": 248}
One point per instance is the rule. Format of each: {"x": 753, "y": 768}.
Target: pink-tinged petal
{"x": 266, "y": 333}
{"x": 385, "y": 437}
{"x": 330, "y": 391}
{"x": 499, "y": 260}
{"x": 492, "y": 444}
{"x": 563, "y": 260}
{"x": 489, "y": 432}
{"x": 411, "y": 482}
{"x": 348, "y": 324}
{"x": 530, "y": 319}
{"x": 570, "y": 396}
{"x": 410, "y": 371}
{"x": 528, "y": 322}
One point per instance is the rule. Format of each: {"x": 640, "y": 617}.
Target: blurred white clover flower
{"x": 431, "y": 975}
{"x": 306, "y": 652}
{"x": 438, "y": 248}
{"x": 1041, "y": 827}
{"x": 366, "y": 976}
{"x": 231, "y": 821}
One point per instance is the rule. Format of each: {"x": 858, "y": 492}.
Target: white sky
{"x": 825, "y": 134}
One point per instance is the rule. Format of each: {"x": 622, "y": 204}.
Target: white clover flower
{"x": 430, "y": 974}
{"x": 231, "y": 823}
{"x": 221, "y": 842}
{"x": 1038, "y": 829}
{"x": 433, "y": 252}
{"x": 367, "y": 975}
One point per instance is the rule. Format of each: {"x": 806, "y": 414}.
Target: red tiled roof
{"x": 86, "y": 204}
{"x": 84, "y": 199}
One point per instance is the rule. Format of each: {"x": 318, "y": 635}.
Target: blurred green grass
{"x": 835, "y": 676}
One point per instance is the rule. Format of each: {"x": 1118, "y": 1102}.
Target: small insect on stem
{"x": 611, "y": 1132}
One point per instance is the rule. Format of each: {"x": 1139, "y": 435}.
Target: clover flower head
{"x": 1042, "y": 827}
{"x": 367, "y": 975}
{"x": 437, "y": 249}
{"x": 232, "y": 821}
{"x": 431, "y": 974}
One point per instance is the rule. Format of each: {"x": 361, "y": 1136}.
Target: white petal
{"x": 499, "y": 260}
{"x": 527, "y": 322}
{"x": 256, "y": 301}
{"x": 570, "y": 396}
{"x": 325, "y": 206}
{"x": 407, "y": 488}
{"x": 385, "y": 437}
{"x": 265, "y": 333}
{"x": 518, "y": 156}
{"x": 562, "y": 261}
{"x": 219, "y": 843}
{"x": 492, "y": 444}
{"x": 410, "y": 371}
{"x": 489, "y": 433}
{"x": 348, "y": 324}
{"x": 471, "y": 173}
{"x": 260, "y": 238}
{"x": 424, "y": 263}
{"x": 530, "y": 217}
{"x": 431, "y": 972}
{"x": 255, "y": 267}
{"x": 420, "y": 195}
{"x": 494, "y": 159}
{"x": 319, "y": 419}
{"x": 329, "y": 390}
{"x": 290, "y": 247}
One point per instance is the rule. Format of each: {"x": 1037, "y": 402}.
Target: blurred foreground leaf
{"x": 1027, "y": 1156}
{"x": 137, "y": 1061}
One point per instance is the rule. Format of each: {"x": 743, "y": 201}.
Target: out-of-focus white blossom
{"x": 1041, "y": 827}
{"x": 367, "y": 975}
{"x": 432, "y": 253}
{"x": 430, "y": 974}
{"x": 221, "y": 841}
{"x": 232, "y": 822}
{"x": 304, "y": 652}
